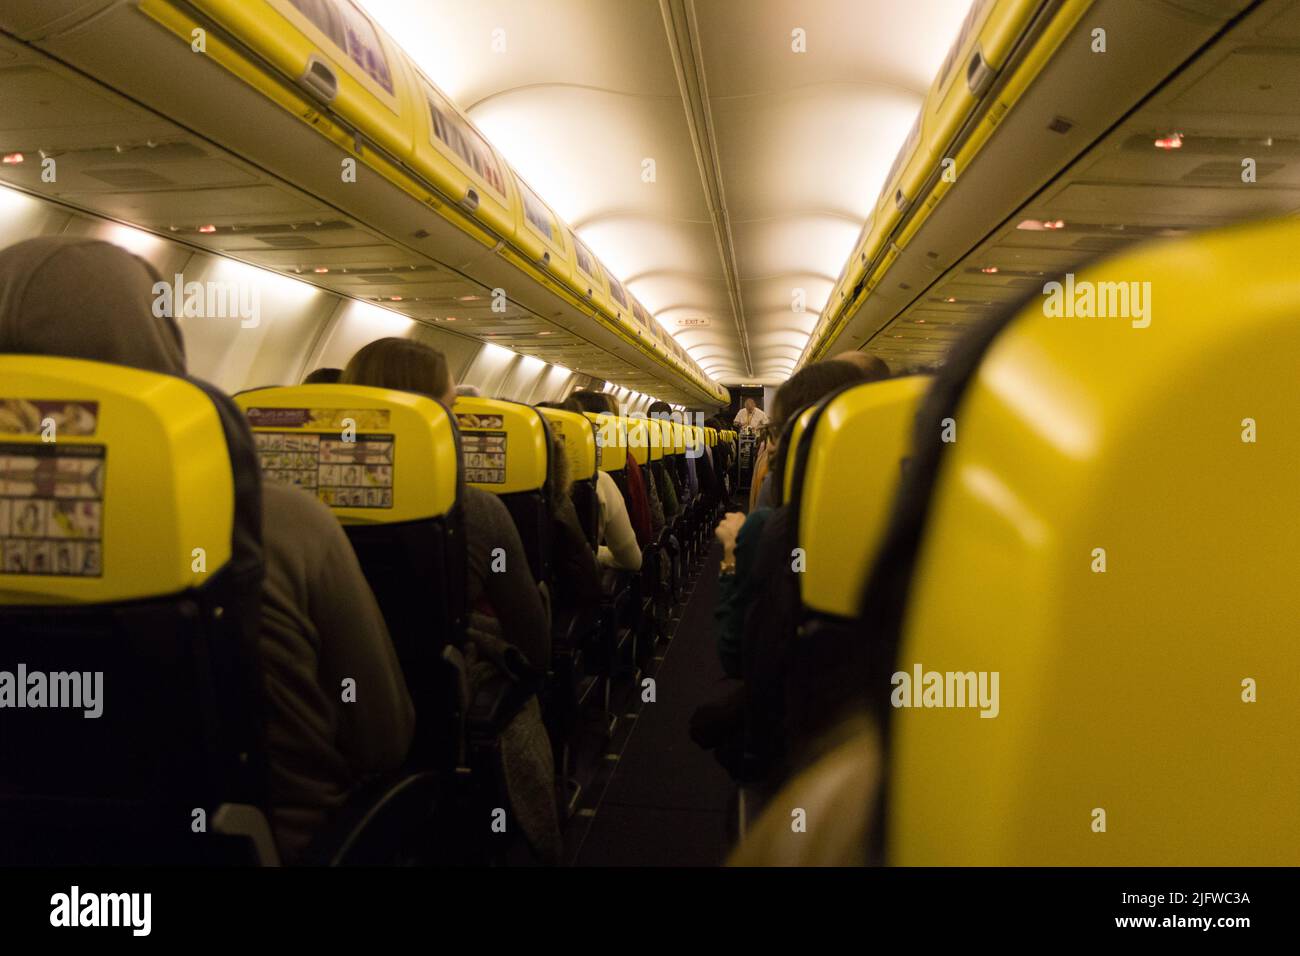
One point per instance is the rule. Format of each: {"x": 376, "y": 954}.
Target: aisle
{"x": 666, "y": 802}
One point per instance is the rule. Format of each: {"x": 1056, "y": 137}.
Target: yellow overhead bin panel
{"x": 620, "y": 299}
{"x": 541, "y": 234}
{"x": 578, "y": 438}
{"x": 373, "y": 455}
{"x": 455, "y": 157}
{"x": 1114, "y": 538}
{"x": 334, "y": 50}
{"x": 505, "y": 447}
{"x": 588, "y": 276}
{"x": 110, "y": 478}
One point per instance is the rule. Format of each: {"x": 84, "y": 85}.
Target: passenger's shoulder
{"x": 829, "y": 793}
{"x": 289, "y": 507}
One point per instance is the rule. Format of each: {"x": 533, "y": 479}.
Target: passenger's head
{"x": 660, "y": 410}
{"x": 589, "y": 401}
{"x": 805, "y": 387}
{"x": 86, "y": 299}
{"x": 810, "y": 384}
{"x": 402, "y": 364}
{"x": 873, "y": 367}
{"x": 468, "y": 391}
{"x": 750, "y": 404}
{"x": 323, "y": 376}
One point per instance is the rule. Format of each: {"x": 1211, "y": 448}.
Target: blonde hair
{"x": 402, "y": 364}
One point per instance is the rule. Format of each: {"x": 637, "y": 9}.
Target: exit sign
{"x": 692, "y": 323}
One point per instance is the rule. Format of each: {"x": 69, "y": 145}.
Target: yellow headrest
{"x": 638, "y": 439}
{"x": 504, "y": 445}
{"x": 111, "y": 481}
{"x": 693, "y": 436}
{"x": 611, "y": 437}
{"x": 674, "y": 436}
{"x": 711, "y": 436}
{"x": 1114, "y": 534}
{"x": 374, "y": 455}
{"x": 850, "y": 473}
{"x": 578, "y": 438}
{"x": 654, "y": 431}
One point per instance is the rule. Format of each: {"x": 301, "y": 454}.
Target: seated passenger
{"x": 619, "y": 550}
{"x": 751, "y": 560}
{"x": 506, "y": 605}
{"x": 577, "y": 574}
{"x": 319, "y": 623}
{"x": 468, "y": 391}
{"x": 323, "y": 376}
{"x": 639, "y": 508}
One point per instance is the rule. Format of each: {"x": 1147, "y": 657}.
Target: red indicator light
{"x": 1172, "y": 141}
{"x": 12, "y": 159}
{"x": 207, "y": 228}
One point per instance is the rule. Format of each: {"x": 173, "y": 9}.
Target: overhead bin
{"x": 332, "y": 50}
{"x": 457, "y": 159}
{"x": 327, "y": 66}
{"x": 541, "y": 235}
{"x": 915, "y": 183}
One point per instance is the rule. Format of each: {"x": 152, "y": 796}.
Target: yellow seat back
{"x": 655, "y": 436}
{"x": 578, "y": 438}
{"x": 1115, "y": 533}
{"x": 504, "y": 445}
{"x": 611, "y": 437}
{"x": 639, "y": 439}
{"x": 847, "y": 463}
{"x": 115, "y": 484}
{"x": 374, "y": 455}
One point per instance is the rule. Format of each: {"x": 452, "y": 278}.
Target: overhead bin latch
{"x": 979, "y": 75}
{"x": 320, "y": 80}
{"x": 470, "y": 202}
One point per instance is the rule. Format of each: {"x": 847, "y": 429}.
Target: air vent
{"x": 387, "y": 278}
{"x": 288, "y": 242}
{"x": 130, "y": 178}
{"x": 1224, "y": 172}
{"x": 1061, "y": 125}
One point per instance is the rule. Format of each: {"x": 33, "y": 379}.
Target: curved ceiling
{"x": 721, "y": 174}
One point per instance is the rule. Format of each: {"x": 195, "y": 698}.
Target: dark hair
{"x": 806, "y": 387}
{"x": 323, "y": 376}
{"x": 402, "y": 364}
{"x": 589, "y": 401}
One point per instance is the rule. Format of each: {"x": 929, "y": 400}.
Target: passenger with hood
{"x": 319, "y": 624}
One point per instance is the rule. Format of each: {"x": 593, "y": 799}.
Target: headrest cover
{"x": 578, "y": 437}
{"x": 374, "y": 455}
{"x": 850, "y": 473}
{"x": 638, "y": 439}
{"x": 1112, "y": 535}
{"x": 611, "y": 436}
{"x": 505, "y": 444}
{"x": 116, "y": 484}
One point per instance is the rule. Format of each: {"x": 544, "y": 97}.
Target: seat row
{"x": 145, "y": 587}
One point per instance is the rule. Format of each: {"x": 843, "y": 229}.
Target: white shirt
{"x": 755, "y": 419}
{"x": 618, "y": 547}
